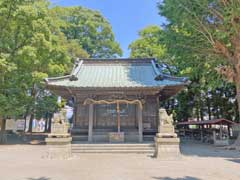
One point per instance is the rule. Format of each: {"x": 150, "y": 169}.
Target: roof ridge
{"x": 117, "y": 59}
{"x": 57, "y": 78}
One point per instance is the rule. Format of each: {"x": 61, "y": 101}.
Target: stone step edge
{"x": 114, "y": 151}
{"x": 115, "y": 148}
{"x": 112, "y": 145}
{"x": 99, "y": 146}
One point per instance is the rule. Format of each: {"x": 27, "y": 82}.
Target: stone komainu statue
{"x": 164, "y": 118}
{"x": 165, "y": 125}
{"x": 60, "y": 123}
{"x": 60, "y": 117}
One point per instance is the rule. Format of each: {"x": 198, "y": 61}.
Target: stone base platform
{"x": 58, "y": 140}
{"x": 59, "y": 135}
{"x": 59, "y": 152}
{"x": 58, "y": 147}
{"x": 167, "y": 148}
{"x": 166, "y": 135}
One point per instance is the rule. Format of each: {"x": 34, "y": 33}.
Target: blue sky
{"x": 127, "y": 17}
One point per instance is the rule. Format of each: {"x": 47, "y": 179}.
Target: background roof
{"x": 213, "y": 121}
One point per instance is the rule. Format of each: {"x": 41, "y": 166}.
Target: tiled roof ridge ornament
{"x": 77, "y": 66}
{"x": 161, "y": 76}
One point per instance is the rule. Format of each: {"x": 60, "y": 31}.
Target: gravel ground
{"x": 26, "y": 162}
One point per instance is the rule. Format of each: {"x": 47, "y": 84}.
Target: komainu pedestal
{"x": 59, "y": 130}
{"x": 166, "y": 140}
{"x": 59, "y": 140}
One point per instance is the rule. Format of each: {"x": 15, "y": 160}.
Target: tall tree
{"x": 10, "y": 97}
{"x": 32, "y": 43}
{"x": 210, "y": 29}
{"x": 89, "y": 29}
{"x": 197, "y": 100}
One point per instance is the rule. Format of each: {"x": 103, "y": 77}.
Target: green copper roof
{"x": 115, "y": 73}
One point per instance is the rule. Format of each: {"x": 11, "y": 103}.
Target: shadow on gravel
{"x": 40, "y": 178}
{"x": 27, "y": 138}
{"x": 183, "y": 178}
{"x": 234, "y": 160}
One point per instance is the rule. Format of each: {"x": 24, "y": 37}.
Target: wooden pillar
{"x": 140, "y": 124}
{"x": 157, "y": 113}
{"x": 202, "y": 127}
{"x": 75, "y": 114}
{"x": 221, "y": 132}
{"x": 229, "y": 133}
{"x": 118, "y": 118}
{"x": 214, "y": 136}
{"x": 90, "y": 122}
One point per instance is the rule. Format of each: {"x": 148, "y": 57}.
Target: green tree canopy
{"x": 31, "y": 49}
{"x": 149, "y": 43}
{"x": 209, "y": 30}
{"x": 37, "y": 42}
{"x": 89, "y": 29}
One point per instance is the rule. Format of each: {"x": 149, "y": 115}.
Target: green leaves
{"x": 89, "y": 29}
{"x": 37, "y": 42}
{"x": 29, "y": 52}
{"x": 5, "y": 66}
{"x": 200, "y": 36}
{"x": 149, "y": 43}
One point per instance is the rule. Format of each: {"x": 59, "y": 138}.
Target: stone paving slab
{"x": 199, "y": 162}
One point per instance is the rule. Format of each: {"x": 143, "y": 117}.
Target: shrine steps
{"x": 139, "y": 148}
{"x": 80, "y": 138}
{"x": 148, "y": 138}
{"x": 104, "y": 138}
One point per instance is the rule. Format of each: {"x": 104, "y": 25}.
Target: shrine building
{"x": 116, "y": 97}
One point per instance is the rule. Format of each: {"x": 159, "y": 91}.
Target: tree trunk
{"x": 31, "y": 122}
{"x": 3, "y": 137}
{"x": 237, "y": 142}
{"x": 33, "y": 94}
{"x": 25, "y": 124}
{"x": 25, "y": 118}
{"x": 197, "y": 111}
{"x": 209, "y": 109}
{"x": 46, "y": 125}
{"x": 50, "y": 123}
{"x": 201, "y": 110}
{"x": 217, "y": 112}
{"x": 238, "y": 97}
